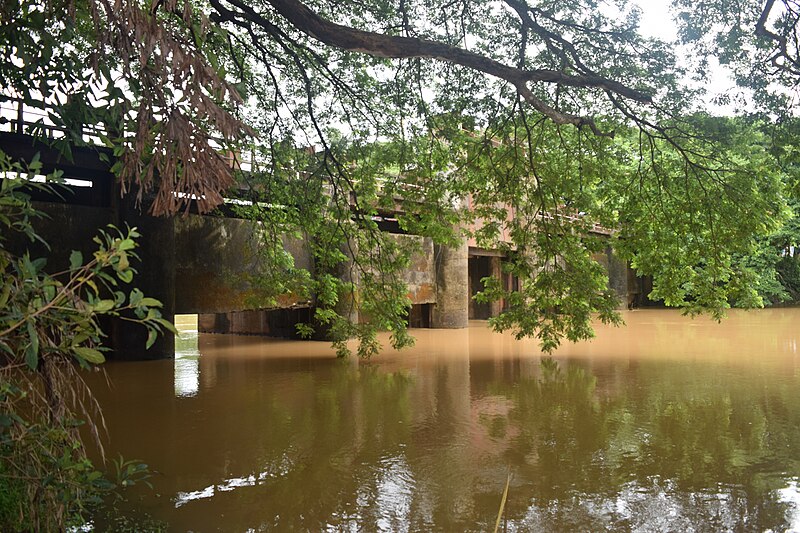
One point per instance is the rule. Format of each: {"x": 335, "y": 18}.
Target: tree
{"x": 571, "y": 117}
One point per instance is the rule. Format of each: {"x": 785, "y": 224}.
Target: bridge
{"x": 198, "y": 264}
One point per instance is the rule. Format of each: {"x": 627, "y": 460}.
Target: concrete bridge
{"x": 200, "y": 264}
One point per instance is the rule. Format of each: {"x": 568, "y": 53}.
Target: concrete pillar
{"x": 496, "y": 271}
{"x": 347, "y": 272}
{"x": 155, "y": 278}
{"x": 635, "y": 296}
{"x": 452, "y": 286}
{"x": 618, "y": 277}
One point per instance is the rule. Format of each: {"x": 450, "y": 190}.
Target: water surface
{"x": 665, "y": 424}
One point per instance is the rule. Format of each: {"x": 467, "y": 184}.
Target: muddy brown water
{"x": 666, "y": 424}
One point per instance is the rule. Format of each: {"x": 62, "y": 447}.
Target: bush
{"x": 48, "y": 330}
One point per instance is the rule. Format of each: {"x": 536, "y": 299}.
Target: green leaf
{"x": 150, "y": 302}
{"x": 103, "y": 306}
{"x": 4, "y": 295}
{"x": 151, "y": 338}
{"x": 32, "y": 356}
{"x": 79, "y": 338}
{"x": 89, "y": 354}
{"x": 32, "y": 350}
{"x": 75, "y": 260}
{"x": 168, "y": 325}
{"x": 49, "y": 292}
{"x": 136, "y": 297}
{"x": 90, "y": 283}
{"x": 123, "y": 262}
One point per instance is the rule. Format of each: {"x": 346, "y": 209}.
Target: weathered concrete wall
{"x": 452, "y": 287}
{"x": 421, "y": 273}
{"x": 192, "y": 264}
{"x": 216, "y": 258}
{"x": 68, "y": 227}
{"x": 618, "y": 275}
{"x": 197, "y": 264}
{"x": 64, "y": 228}
{"x": 421, "y": 278}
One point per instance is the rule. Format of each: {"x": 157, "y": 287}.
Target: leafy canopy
{"x": 558, "y": 112}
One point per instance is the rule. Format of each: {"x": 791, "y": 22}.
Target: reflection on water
{"x": 791, "y": 495}
{"x": 666, "y": 424}
{"x": 187, "y": 364}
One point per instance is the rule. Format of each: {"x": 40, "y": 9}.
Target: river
{"x": 665, "y": 424}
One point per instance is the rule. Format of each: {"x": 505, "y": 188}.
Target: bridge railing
{"x": 30, "y": 117}
{"x": 37, "y": 118}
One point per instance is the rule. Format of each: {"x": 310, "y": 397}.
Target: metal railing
{"x": 27, "y": 117}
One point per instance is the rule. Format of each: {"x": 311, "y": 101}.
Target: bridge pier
{"x": 155, "y": 277}
{"x": 619, "y": 276}
{"x": 452, "y": 286}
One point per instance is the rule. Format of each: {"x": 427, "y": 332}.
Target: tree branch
{"x": 380, "y": 45}
{"x": 780, "y": 40}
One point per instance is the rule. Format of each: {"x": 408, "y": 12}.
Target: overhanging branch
{"x": 390, "y": 46}
{"x": 791, "y": 62}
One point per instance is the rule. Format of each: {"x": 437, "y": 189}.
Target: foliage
{"x": 355, "y": 267}
{"x": 49, "y": 326}
{"x": 724, "y": 187}
{"x": 756, "y": 41}
{"x": 788, "y": 270}
{"x": 678, "y": 220}
{"x": 148, "y": 77}
{"x": 776, "y": 277}
{"x": 783, "y": 269}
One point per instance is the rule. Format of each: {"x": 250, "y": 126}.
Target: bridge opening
{"x": 186, "y": 375}
{"x": 420, "y": 316}
{"x": 479, "y": 267}
{"x": 484, "y": 264}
